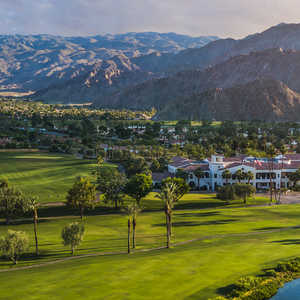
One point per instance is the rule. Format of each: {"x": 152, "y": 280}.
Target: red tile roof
{"x": 267, "y": 165}
{"x": 158, "y": 177}
{"x": 192, "y": 168}
{"x": 295, "y": 156}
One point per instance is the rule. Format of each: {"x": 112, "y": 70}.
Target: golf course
{"x": 213, "y": 243}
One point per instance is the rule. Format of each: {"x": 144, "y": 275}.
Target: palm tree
{"x": 135, "y": 210}
{"x": 250, "y": 176}
{"x": 283, "y": 151}
{"x": 167, "y": 195}
{"x": 226, "y": 175}
{"x": 132, "y": 211}
{"x": 271, "y": 152}
{"x": 199, "y": 174}
{"x": 239, "y": 174}
{"x": 33, "y": 205}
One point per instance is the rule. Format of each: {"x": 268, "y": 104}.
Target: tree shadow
{"x": 268, "y": 228}
{"x": 199, "y": 205}
{"x": 198, "y": 214}
{"x": 226, "y": 290}
{"x": 61, "y": 211}
{"x": 288, "y": 242}
{"x": 193, "y": 223}
{"x": 22, "y": 222}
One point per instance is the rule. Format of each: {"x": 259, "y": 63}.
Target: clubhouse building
{"x": 266, "y": 172}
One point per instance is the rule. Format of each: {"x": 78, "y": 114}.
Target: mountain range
{"x": 33, "y": 62}
{"x": 181, "y": 76}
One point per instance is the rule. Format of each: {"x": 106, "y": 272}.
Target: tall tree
{"x": 111, "y": 183}
{"x": 244, "y": 191}
{"x": 283, "y": 151}
{"x": 294, "y": 177}
{"x": 199, "y": 174}
{"x": 226, "y": 175}
{"x": 239, "y": 174}
{"x": 139, "y": 186}
{"x": 249, "y": 176}
{"x": 82, "y": 195}
{"x": 179, "y": 189}
{"x": 271, "y": 152}
{"x": 13, "y": 203}
{"x": 132, "y": 211}
{"x": 179, "y": 185}
{"x": 33, "y": 204}
{"x": 167, "y": 195}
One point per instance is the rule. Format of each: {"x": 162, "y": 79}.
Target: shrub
{"x": 72, "y": 235}
{"x": 226, "y": 193}
{"x": 290, "y": 266}
{"x": 14, "y": 244}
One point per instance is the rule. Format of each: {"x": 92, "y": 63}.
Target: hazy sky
{"x": 234, "y": 18}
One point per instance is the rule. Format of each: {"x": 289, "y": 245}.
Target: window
{"x": 216, "y": 175}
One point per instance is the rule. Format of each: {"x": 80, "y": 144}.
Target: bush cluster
{"x": 226, "y": 193}
{"x": 266, "y": 286}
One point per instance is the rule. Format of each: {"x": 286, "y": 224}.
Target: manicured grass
{"x": 234, "y": 242}
{"x": 200, "y": 201}
{"x": 46, "y": 175}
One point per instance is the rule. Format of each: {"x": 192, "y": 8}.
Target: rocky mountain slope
{"x": 152, "y": 80}
{"x": 225, "y": 79}
{"x": 275, "y": 64}
{"x": 285, "y": 36}
{"x": 263, "y": 99}
{"x": 38, "y": 61}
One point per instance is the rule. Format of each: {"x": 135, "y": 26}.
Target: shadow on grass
{"x": 268, "y": 228}
{"x": 277, "y": 228}
{"x": 192, "y": 223}
{"x": 288, "y": 242}
{"x": 225, "y": 290}
{"x": 192, "y": 214}
{"x": 61, "y": 211}
{"x": 199, "y": 205}
{"x": 21, "y": 222}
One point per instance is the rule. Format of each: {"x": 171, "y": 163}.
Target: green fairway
{"x": 228, "y": 244}
{"x": 48, "y": 176}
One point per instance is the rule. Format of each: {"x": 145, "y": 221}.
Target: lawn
{"x": 47, "y": 175}
{"x": 222, "y": 245}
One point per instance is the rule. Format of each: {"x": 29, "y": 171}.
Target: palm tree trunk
{"x": 81, "y": 212}
{"x": 133, "y": 232}
{"x": 35, "y": 232}
{"x": 73, "y": 251}
{"x": 128, "y": 236}
{"x": 168, "y": 231}
{"x": 271, "y": 182}
{"x": 170, "y": 225}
